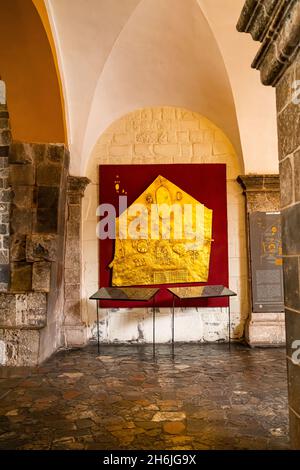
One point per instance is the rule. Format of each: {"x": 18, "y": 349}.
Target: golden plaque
{"x": 164, "y": 237}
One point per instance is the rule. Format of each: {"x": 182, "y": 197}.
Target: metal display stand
{"x": 200, "y": 292}
{"x": 126, "y": 294}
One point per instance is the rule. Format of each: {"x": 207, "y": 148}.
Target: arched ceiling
{"x": 116, "y": 56}
{"x": 27, "y": 67}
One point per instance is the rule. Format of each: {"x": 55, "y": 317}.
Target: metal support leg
{"x": 98, "y": 332}
{"x": 229, "y": 325}
{"x": 153, "y": 324}
{"x": 173, "y": 325}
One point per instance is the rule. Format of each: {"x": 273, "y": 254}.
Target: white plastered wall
{"x": 180, "y": 136}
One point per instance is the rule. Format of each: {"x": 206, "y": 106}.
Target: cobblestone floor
{"x": 207, "y": 397}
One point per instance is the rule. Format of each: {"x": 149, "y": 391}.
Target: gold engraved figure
{"x": 163, "y": 256}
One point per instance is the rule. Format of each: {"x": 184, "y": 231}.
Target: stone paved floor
{"x": 206, "y": 398}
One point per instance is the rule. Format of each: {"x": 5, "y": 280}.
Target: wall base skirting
{"x": 265, "y": 329}
{"x": 75, "y": 335}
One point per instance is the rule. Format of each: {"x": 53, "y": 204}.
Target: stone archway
{"x": 166, "y": 135}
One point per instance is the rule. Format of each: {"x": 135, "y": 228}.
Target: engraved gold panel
{"x": 168, "y": 251}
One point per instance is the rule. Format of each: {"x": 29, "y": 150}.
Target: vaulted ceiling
{"x": 114, "y": 56}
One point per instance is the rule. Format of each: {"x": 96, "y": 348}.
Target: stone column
{"x": 74, "y": 328}
{"x": 5, "y": 193}
{"x": 277, "y": 25}
{"x": 262, "y": 193}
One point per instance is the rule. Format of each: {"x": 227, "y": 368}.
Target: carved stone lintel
{"x": 259, "y": 182}
{"x": 277, "y": 25}
{"x": 256, "y": 16}
{"x": 77, "y": 184}
{"x": 262, "y": 192}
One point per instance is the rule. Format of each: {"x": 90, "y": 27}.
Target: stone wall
{"x": 277, "y": 26}
{"x": 31, "y": 314}
{"x": 289, "y": 156}
{"x": 166, "y": 135}
{"x": 5, "y": 140}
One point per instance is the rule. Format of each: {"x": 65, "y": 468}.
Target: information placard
{"x": 266, "y": 262}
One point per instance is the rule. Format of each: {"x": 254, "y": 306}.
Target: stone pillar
{"x": 74, "y": 328}
{"x": 5, "y": 193}
{"x": 277, "y": 25}
{"x": 262, "y": 193}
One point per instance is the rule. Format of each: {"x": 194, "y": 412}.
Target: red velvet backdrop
{"x": 206, "y": 183}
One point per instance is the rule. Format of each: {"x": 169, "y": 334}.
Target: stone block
{"x": 20, "y": 152}
{"x": 297, "y": 175}
{"x": 291, "y": 282}
{"x": 74, "y": 199}
{"x": 72, "y": 313}
{"x": 46, "y": 220}
{"x": 183, "y": 137}
{"x": 3, "y": 160}
{"x": 284, "y": 89}
{"x": 21, "y": 347}
{"x": 21, "y": 221}
{"x": 47, "y": 209}
{"x": 292, "y": 323}
{"x": 56, "y": 153}
{"x": 186, "y": 151}
{"x": 5, "y": 137}
{"x": 73, "y": 229}
{"x": 197, "y": 136}
{"x": 72, "y": 253}
{"x": 4, "y": 113}
{"x": 220, "y": 148}
{"x": 120, "y": 150}
{"x": 166, "y": 150}
{"x": 23, "y": 196}
{"x": 266, "y": 331}
{"x": 122, "y": 139}
{"x": 5, "y": 195}
{"x": 31, "y": 310}
{"x": 290, "y": 228}
{"x": 4, "y": 122}
{"x": 18, "y": 247}
{"x": 288, "y": 130}
{"x": 47, "y": 197}
{"x": 202, "y": 150}
{"x": 41, "y": 276}
{"x": 7, "y": 310}
{"x": 4, "y": 218}
{"x": 4, "y": 151}
{"x": 28, "y": 310}
{"x": 72, "y": 276}
{"x": 143, "y": 150}
{"x": 294, "y": 385}
{"x": 39, "y": 152}
{"x": 41, "y": 247}
{"x": 22, "y": 175}
{"x": 4, "y": 229}
{"x": 72, "y": 292}
{"x": 74, "y": 213}
{"x": 4, "y": 273}
{"x": 4, "y": 256}
{"x": 21, "y": 277}
{"x": 5, "y": 242}
{"x": 49, "y": 175}
{"x": 286, "y": 182}
{"x": 188, "y": 125}
{"x": 75, "y": 335}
